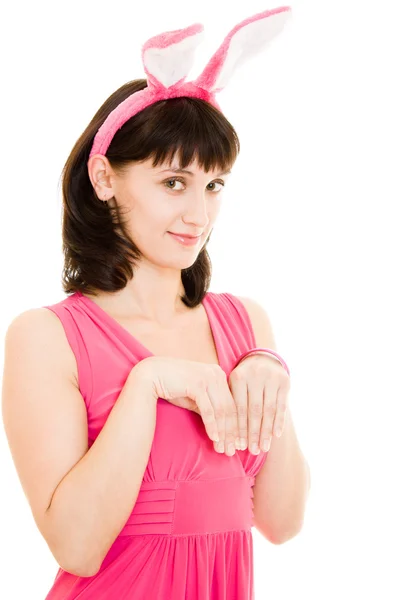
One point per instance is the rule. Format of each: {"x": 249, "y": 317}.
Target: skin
{"x": 193, "y": 207}
{"x": 154, "y": 205}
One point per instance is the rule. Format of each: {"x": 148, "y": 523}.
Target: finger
{"x": 214, "y": 387}
{"x": 270, "y": 402}
{"x": 238, "y": 388}
{"x": 206, "y": 411}
{"x": 255, "y": 402}
{"x": 231, "y": 420}
{"x": 281, "y": 407}
{"x": 188, "y": 403}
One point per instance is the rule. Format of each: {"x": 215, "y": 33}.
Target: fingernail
{"x": 237, "y": 444}
{"x": 254, "y": 448}
{"x": 231, "y": 448}
{"x": 243, "y": 444}
{"x": 278, "y": 433}
{"x": 221, "y": 446}
{"x": 266, "y": 445}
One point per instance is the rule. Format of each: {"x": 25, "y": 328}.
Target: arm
{"x": 282, "y": 487}
{"x": 283, "y": 482}
{"x": 80, "y": 498}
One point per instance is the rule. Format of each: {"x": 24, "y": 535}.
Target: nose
{"x": 197, "y": 210}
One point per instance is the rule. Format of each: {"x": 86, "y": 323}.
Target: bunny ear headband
{"x": 168, "y": 58}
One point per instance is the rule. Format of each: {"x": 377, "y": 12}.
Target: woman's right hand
{"x": 199, "y": 387}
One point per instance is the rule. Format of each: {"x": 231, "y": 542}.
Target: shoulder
{"x": 260, "y": 321}
{"x": 33, "y": 322}
{"x": 39, "y": 332}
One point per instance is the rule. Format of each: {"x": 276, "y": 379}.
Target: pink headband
{"x": 168, "y": 58}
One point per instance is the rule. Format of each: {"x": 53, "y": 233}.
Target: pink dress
{"x": 189, "y": 534}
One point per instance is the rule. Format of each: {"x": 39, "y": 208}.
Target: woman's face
{"x": 157, "y": 200}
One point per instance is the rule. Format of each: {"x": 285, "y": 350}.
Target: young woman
{"x": 113, "y": 407}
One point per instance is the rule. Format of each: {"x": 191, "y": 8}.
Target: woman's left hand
{"x": 260, "y": 388}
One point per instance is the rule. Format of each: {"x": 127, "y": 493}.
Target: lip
{"x": 185, "y": 235}
{"x": 185, "y": 240}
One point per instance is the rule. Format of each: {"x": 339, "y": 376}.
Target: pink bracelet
{"x": 262, "y": 351}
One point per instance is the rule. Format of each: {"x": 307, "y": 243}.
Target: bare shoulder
{"x": 260, "y": 321}
{"x": 41, "y": 329}
{"x": 44, "y": 414}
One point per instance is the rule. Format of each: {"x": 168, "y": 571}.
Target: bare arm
{"x": 80, "y": 498}
{"x": 94, "y": 500}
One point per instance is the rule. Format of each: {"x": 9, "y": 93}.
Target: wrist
{"x": 141, "y": 378}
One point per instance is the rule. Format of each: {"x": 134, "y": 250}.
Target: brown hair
{"x": 98, "y": 251}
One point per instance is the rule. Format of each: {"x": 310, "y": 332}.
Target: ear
{"x": 245, "y": 40}
{"x": 168, "y": 57}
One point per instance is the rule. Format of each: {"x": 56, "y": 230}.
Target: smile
{"x": 186, "y": 241}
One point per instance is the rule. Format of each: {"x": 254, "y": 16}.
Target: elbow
{"x": 278, "y": 537}
{"x": 80, "y": 569}
{"x": 73, "y": 558}
{"x": 284, "y": 537}
{"x": 75, "y": 562}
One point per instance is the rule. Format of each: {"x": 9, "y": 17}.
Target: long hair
{"x": 99, "y": 253}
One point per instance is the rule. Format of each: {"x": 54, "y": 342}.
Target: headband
{"x": 168, "y": 57}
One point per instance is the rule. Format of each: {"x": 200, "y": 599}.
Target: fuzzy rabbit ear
{"x": 245, "y": 40}
{"x": 168, "y": 57}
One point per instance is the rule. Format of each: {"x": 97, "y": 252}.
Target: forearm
{"x": 282, "y": 487}
{"x": 94, "y": 500}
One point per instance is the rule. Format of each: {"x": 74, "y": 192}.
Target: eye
{"x": 175, "y": 179}
{"x": 221, "y": 183}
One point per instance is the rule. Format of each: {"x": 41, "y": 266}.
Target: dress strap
{"x": 232, "y": 325}
{"x": 244, "y": 319}
{"x": 67, "y": 316}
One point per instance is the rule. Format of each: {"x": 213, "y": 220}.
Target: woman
{"x": 124, "y": 382}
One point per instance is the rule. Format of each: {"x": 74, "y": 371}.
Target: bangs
{"x": 99, "y": 251}
{"x": 189, "y": 128}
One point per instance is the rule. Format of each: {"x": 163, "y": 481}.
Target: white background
{"x": 309, "y": 228}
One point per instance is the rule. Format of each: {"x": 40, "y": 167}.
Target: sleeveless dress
{"x": 189, "y": 534}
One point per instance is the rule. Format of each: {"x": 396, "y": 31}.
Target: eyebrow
{"x": 178, "y": 170}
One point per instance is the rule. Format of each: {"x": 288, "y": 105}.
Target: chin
{"x": 174, "y": 263}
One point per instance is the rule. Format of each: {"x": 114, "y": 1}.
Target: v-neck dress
{"x": 189, "y": 534}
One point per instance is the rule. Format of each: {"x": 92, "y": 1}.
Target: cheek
{"x": 214, "y": 211}
{"x": 153, "y": 219}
